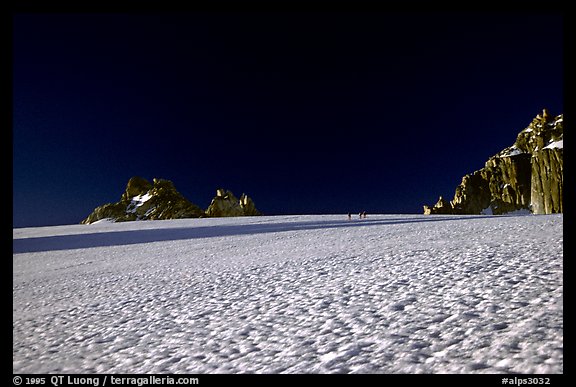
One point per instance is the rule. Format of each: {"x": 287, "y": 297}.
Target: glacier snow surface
{"x": 291, "y": 294}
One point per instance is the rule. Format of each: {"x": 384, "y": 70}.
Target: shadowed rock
{"x": 525, "y": 176}
{"x": 226, "y": 204}
{"x": 160, "y": 200}
{"x": 142, "y": 200}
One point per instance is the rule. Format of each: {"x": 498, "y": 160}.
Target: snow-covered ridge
{"x": 292, "y": 294}
{"x": 159, "y": 200}
{"x": 526, "y": 175}
{"x": 510, "y": 152}
{"x": 555, "y": 144}
{"x": 138, "y": 201}
{"x": 541, "y": 129}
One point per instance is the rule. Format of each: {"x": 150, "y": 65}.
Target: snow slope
{"x": 294, "y": 294}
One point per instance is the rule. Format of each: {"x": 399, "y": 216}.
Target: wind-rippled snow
{"x": 300, "y": 294}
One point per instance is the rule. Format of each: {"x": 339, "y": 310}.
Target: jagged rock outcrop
{"x": 136, "y": 186}
{"x": 525, "y": 176}
{"x": 248, "y": 206}
{"x": 441, "y": 207}
{"x": 145, "y": 201}
{"x": 547, "y": 180}
{"x": 226, "y": 204}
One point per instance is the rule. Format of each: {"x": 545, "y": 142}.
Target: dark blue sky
{"x": 324, "y": 112}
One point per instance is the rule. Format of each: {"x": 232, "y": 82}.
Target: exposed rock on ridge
{"x": 226, "y": 204}
{"x": 143, "y": 200}
{"x": 525, "y": 176}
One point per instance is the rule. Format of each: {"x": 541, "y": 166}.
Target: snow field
{"x": 304, "y": 294}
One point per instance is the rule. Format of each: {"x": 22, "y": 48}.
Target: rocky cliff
{"x": 226, "y": 204}
{"x": 143, "y": 200}
{"x": 525, "y": 176}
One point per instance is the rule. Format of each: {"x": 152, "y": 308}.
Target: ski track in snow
{"x": 299, "y": 294}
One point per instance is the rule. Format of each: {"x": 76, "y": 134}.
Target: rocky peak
{"x": 136, "y": 186}
{"x": 142, "y": 200}
{"x": 542, "y": 131}
{"x": 225, "y": 194}
{"x": 441, "y": 207}
{"x": 226, "y": 204}
{"x": 248, "y": 206}
{"x": 525, "y": 176}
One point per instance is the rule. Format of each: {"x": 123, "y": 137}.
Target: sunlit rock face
{"x": 525, "y": 176}
{"x": 248, "y": 206}
{"x": 226, "y": 204}
{"x": 143, "y": 200}
{"x": 547, "y": 180}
